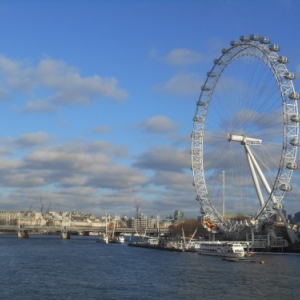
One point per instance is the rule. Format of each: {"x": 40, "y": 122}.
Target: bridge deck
{"x": 9, "y": 228}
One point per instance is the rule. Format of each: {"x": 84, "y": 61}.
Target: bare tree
{"x": 189, "y": 226}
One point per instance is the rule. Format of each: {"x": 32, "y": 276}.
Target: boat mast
{"x": 223, "y": 192}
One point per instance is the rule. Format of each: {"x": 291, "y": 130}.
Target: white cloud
{"x": 42, "y": 105}
{"x": 32, "y": 139}
{"x": 174, "y": 181}
{"x": 16, "y": 75}
{"x": 83, "y": 165}
{"x": 25, "y": 180}
{"x": 70, "y": 87}
{"x": 4, "y": 94}
{"x": 182, "y": 84}
{"x": 102, "y": 129}
{"x": 183, "y": 57}
{"x": 7, "y": 165}
{"x": 74, "y": 180}
{"x": 164, "y": 159}
{"x": 159, "y": 124}
{"x": 53, "y": 83}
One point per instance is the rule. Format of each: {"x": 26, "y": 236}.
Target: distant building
{"x": 178, "y": 215}
{"x": 143, "y": 222}
{"x": 169, "y": 217}
{"x": 297, "y": 217}
{"x": 284, "y": 213}
{"x": 4, "y": 217}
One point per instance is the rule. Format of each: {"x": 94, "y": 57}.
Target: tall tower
{"x": 178, "y": 215}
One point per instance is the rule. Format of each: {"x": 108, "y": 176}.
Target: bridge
{"x": 66, "y": 231}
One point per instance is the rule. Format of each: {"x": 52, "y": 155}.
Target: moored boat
{"x": 104, "y": 239}
{"x": 222, "y": 248}
{"x": 119, "y": 239}
{"x": 159, "y": 244}
{"x": 193, "y": 246}
{"x": 107, "y": 237}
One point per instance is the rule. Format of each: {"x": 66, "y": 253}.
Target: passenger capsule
{"x": 234, "y": 43}
{"x": 292, "y": 166}
{"x": 286, "y": 187}
{"x": 294, "y": 96}
{"x": 211, "y": 74}
{"x": 295, "y": 118}
{"x": 295, "y": 142}
{"x": 244, "y": 38}
{"x": 283, "y": 59}
{"x": 197, "y": 119}
{"x": 205, "y": 88}
{"x": 277, "y": 206}
{"x": 224, "y": 50}
{"x": 274, "y": 48}
{"x": 200, "y": 103}
{"x": 254, "y": 37}
{"x": 265, "y": 40}
{"x": 218, "y": 61}
{"x": 289, "y": 75}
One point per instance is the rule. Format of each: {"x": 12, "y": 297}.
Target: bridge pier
{"x": 23, "y": 234}
{"x": 65, "y": 235}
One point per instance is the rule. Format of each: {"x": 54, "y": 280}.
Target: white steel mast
{"x": 223, "y": 192}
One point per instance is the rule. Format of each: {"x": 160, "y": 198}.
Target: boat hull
{"x": 232, "y": 255}
{"x": 156, "y": 247}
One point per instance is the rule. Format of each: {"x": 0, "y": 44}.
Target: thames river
{"x": 46, "y": 267}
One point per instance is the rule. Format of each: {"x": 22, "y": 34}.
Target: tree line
{"x": 189, "y": 226}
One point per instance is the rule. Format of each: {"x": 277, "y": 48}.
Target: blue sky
{"x": 98, "y": 97}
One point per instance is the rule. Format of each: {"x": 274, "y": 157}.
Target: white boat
{"x": 120, "y": 239}
{"x": 222, "y": 248}
{"x": 193, "y": 246}
{"x": 160, "y": 244}
{"x": 105, "y": 239}
{"x": 127, "y": 234}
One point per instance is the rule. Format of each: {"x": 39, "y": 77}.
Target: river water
{"x": 46, "y": 267}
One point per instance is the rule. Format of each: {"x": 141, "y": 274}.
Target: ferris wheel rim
{"x": 261, "y": 49}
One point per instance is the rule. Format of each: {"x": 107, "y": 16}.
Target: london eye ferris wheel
{"x": 245, "y": 135}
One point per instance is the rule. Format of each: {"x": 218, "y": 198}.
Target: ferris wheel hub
{"x": 243, "y": 139}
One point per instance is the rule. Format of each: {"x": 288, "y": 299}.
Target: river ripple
{"x": 46, "y": 267}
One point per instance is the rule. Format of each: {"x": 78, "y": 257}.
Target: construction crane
{"x": 137, "y": 205}
{"x": 42, "y": 206}
{"x": 48, "y": 211}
